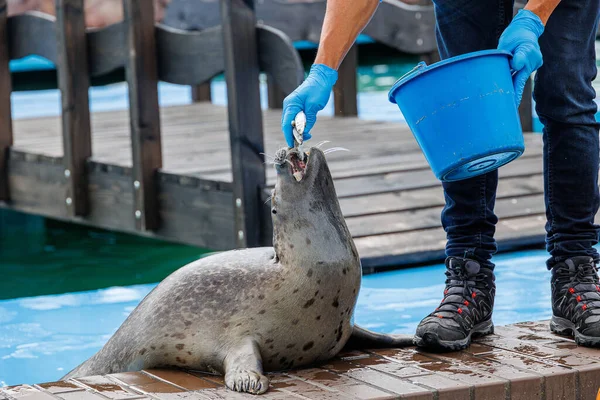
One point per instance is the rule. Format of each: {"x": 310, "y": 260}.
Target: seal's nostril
{"x": 274, "y": 211}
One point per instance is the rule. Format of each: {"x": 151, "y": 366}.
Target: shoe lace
{"x": 577, "y": 280}
{"x": 461, "y": 300}
{"x": 583, "y": 273}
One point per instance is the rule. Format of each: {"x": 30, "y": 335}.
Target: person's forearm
{"x": 344, "y": 20}
{"x": 542, "y": 8}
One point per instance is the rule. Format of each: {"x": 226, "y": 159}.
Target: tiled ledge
{"x": 520, "y": 362}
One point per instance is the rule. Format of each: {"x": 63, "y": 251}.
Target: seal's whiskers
{"x": 334, "y": 149}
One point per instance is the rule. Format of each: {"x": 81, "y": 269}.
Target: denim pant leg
{"x": 565, "y": 104}
{"x": 468, "y": 218}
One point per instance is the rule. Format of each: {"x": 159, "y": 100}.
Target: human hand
{"x": 520, "y": 38}
{"x": 311, "y": 97}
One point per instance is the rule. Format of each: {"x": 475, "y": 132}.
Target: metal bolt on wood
{"x": 136, "y": 184}
{"x": 138, "y": 214}
{"x": 238, "y": 202}
{"x": 241, "y": 235}
{"x": 69, "y": 201}
{"x": 67, "y": 173}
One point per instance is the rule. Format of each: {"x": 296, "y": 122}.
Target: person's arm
{"x": 542, "y": 8}
{"x": 344, "y": 20}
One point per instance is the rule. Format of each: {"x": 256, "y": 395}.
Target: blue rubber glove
{"x": 521, "y": 39}
{"x": 311, "y": 97}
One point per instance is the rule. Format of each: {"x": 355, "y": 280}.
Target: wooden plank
{"x": 201, "y": 93}
{"x": 406, "y": 200}
{"x": 189, "y": 58}
{"x": 279, "y": 59}
{"x": 6, "y": 135}
{"x": 74, "y": 82}
{"x": 275, "y": 95}
{"x": 194, "y": 211}
{"x": 406, "y": 26}
{"x": 422, "y": 178}
{"x": 142, "y": 78}
{"x": 32, "y": 33}
{"x": 406, "y": 248}
{"x": 345, "y": 90}
{"x": 245, "y": 117}
{"x": 429, "y": 218}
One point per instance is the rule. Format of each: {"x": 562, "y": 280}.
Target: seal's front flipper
{"x": 363, "y": 338}
{"x": 243, "y": 368}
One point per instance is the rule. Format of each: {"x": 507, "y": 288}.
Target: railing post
{"x": 245, "y": 117}
{"x": 6, "y": 136}
{"x": 345, "y": 90}
{"x": 201, "y": 93}
{"x": 142, "y": 78}
{"x": 74, "y": 82}
{"x": 275, "y": 95}
{"x": 525, "y": 108}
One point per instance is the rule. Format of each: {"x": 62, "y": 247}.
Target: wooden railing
{"x": 6, "y": 134}
{"x": 151, "y": 53}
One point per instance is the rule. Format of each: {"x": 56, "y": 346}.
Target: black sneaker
{"x": 465, "y": 311}
{"x": 576, "y": 300}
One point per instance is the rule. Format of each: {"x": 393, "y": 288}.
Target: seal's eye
{"x": 274, "y": 211}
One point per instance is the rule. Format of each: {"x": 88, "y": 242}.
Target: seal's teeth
{"x": 298, "y": 176}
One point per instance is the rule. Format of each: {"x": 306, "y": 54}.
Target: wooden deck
{"x": 520, "y": 362}
{"x": 387, "y": 191}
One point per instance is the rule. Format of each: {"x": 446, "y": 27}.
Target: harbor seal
{"x": 243, "y": 312}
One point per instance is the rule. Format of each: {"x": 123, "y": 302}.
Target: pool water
{"x": 43, "y": 337}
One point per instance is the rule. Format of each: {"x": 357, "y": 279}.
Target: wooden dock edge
{"x": 192, "y": 210}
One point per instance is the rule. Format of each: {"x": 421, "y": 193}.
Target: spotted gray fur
{"x": 243, "y": 312}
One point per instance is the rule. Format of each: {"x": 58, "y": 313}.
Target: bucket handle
{"x": 418, "y": 67}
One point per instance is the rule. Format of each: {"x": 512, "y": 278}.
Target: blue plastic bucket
{"x": 462, "y": 113}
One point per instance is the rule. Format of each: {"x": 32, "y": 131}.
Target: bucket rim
{"x": 422, "y": 67}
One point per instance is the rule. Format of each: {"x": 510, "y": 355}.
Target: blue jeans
{"x": 565, "y": 104}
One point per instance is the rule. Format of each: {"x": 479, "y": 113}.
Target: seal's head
{"x": 307, "y": 221}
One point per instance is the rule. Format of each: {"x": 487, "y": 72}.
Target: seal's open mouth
{"x": 298, "y": 163}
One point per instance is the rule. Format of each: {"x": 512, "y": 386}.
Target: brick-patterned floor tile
{"x": 525, "y": 347}
{"x": 25, "y": 392}
{"x": 107, "y": 387}
{"x": 486, "y": 385}
{"x": 180, "y": 396}
{"x": 538, "y": 336}
{"x": 447, "y": 389}
{"x": 526, "y": 385}
{"x": 217, "y": 379}
{"x": 360, "y": 369}
{"x": 405, "y": 356}
{"x": 558, "y": 379}
{"x": 342, "y": 383}
{"x": 59, "y": 387}
{"x": 525, "y": 358}
{"x": 146, "y": 384}
{"x": 81, "y": 395}
{"x": 133, "y": 378}
{"x": 182, "y": 379}
{"x": 296, "y": 388}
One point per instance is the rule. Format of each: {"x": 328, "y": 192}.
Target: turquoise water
{"x": 43, "y": 337}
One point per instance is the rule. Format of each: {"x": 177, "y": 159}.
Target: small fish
{"x": 299, "y": 123}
